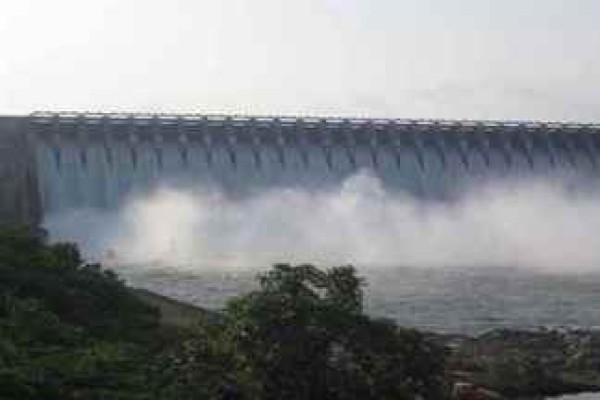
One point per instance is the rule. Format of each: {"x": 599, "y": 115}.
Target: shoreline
{"x": 566, "y": 355}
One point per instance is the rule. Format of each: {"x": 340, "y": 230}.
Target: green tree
{"x": 303, "y": 335}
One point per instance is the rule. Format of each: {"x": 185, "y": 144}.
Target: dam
{"x": 56, "y": 162}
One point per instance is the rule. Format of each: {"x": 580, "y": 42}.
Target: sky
{"x": 455, "y": 59}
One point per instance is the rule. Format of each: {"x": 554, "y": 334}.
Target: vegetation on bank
{"x": 70, "y": 330}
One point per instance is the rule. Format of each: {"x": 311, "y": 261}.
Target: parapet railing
{"x": 305, "y": 121}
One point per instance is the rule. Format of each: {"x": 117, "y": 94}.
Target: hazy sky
{"x": 492, "y": 59}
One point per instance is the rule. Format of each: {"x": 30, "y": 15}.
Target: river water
{"x": 452, "y": 300}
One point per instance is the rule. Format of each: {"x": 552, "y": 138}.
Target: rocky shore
{"x": 523, "y": 364}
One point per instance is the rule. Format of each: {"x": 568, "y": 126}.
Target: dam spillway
{"x": 84, "y": 160}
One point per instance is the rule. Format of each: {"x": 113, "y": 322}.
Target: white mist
{"x": 527, "y": 224}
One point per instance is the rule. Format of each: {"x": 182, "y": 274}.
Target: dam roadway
{"x": 56, "y": 162}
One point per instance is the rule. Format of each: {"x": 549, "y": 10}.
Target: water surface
{"x": 442, "y": 300}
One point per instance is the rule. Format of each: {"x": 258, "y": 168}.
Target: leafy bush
{"x": 303, "y": 335}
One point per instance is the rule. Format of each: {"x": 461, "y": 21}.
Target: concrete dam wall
{"x": 99, "y": 160}
{"x": 19, "y": 198}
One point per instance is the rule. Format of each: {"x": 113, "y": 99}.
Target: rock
{"x": 525, "y": 362}
{"x": 469, "y": 391}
